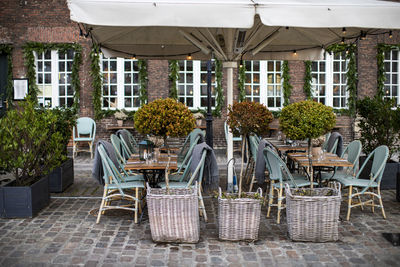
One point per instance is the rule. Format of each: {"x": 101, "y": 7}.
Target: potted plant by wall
{"x": 30, "y": 146}
{"x": 63, "y": 175}
{"x": 379, "y": 124}
{"x": 120, "y": 116}
{"x": 239, "y": 214}
{"x": 312, "y": 214}
{"x": 177, "y": 207}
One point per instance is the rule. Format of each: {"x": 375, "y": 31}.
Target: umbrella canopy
{"x": 258, "y": 29}
{"x": 229, "y": 29}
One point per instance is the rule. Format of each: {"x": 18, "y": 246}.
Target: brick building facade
{"x": 48, "y": 22}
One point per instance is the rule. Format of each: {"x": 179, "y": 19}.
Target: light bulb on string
{"x": 390, "y": 34}
{"x": 189, "y": 57}
{"x": 344, "y": 30}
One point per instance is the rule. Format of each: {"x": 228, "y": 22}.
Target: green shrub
{"x": 164, "y": 117}
{"x": 30, "y": 145}
{"x": 66, "y": 119}
{"x": 379, "y": 124}
{"x": 306, "y": 120}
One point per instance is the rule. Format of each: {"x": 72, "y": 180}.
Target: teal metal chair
{"x": 367, "y": 188}
{"x": 325, "y": 144}
{"x": 353, "y": 151}
{"x": 186, "y": 182}
{"x": 280, "y": 175}
{"x": 83, "y": 132}
{"x": 253, "y": 145}
{"x": 187, "y": 148}
{"x": 122, "y": 155}
{"x": 120, "y": 150}
{"x": 128, "y": 141}
{"x": 117, "y": 189}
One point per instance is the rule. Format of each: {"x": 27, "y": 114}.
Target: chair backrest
{"x": 276, "y": 166}
{"x": 253, "y": 143}
{"x": 110, "y": 170}
{"x": 380, "y": 156}
{"x": 128, "y": 140}
{"x": 325, "y": 144}
{"x": 120, "y": 150}
{"x": 199, "y": 170}
{"x": 183, "y": 163}
{"x": 353, "y": 151}
{"x": 85, "y": 126}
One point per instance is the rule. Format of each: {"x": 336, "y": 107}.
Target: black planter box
{"x": 24, "y": 201}
{"x": 62, "y": 176}
{"x": 389, "y": 177}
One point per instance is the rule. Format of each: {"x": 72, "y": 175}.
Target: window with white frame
{"x": 264, "y": 82}
{"x": 392, "y": 72}
{"x": 120, "y": 83}
{"x": 192, "y": 83}
{"x": 329, "y": 81}
{"x": 53, "y": 78}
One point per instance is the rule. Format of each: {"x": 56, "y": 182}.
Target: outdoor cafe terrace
{"x": 66, "y": 234}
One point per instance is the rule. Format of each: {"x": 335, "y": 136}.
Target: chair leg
{"x": 373, "y": 201}
{"x": 91, "y": 149}
{"x": 202, "y": 206}
{"x": 271, "y": 197}
{"x": 278, "y": 219}
{"x": 381, "y": 203}
{"x": 136, "y": 203}
{"x": 73, "y": 149}
{"x": 349, "y": 202}
{"x": 102, "y": 203}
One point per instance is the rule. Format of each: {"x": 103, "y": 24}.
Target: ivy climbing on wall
{"x": 31, "y": 47}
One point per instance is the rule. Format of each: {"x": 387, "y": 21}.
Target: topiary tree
{"x": 164, "y": 117}
{"x": 247, "y": 118}
{"x": 379, "y": 124}
{"x": 307, "y": 120}
{"x": 30, "y": 143}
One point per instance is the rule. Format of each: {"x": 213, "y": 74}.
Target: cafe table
{"x": 152, "y": 170}
{"x": 328, "y": 160}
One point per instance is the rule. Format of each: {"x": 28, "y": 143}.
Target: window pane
{"x": 270, "y": 66}
{"x": 47, "y": 54}
{"x": 61, "y": 66}
{"x": 127, "y": 65}
{"x": 128, "y": 102}
{"x": 113, "y": 90}
{"x": 189, "y": 102}
{"x": 113, "y": 65}
{"x": 70, "y": 101}
{"x": 61, "y": 90}
{"x": 47, "y": 78}
{"x": 128, "y": 78}
{"x": 135, "y": 90}
{"x": 128, "y": 91}
{"x": 69, "y": 65}
{"x": 256, "y": 65}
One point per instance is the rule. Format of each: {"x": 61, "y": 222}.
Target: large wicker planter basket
{"x": 239, "y": 219}
{"x": 313, "y": 218}
{"x": 174, "y": 217}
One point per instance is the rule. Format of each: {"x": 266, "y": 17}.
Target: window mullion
{"x": 329, "y": 79}
{"x": 55, "y": 102}
{"x": 196, "y": 83}
{"x": 263, "y": 82}
{"x": 120, "y": 83}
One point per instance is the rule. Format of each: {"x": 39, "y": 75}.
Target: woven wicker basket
{"x": 313, "y": 218}
{"x": 239, "y": 219}
{"x": 174, "y": 217}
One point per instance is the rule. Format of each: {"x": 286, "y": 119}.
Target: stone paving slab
{"x": 65, "y": 234}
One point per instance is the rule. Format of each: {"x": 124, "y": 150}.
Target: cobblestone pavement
{"x": 65, "y": 234}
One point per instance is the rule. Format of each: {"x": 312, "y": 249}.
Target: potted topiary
{"x": 312, "y": 214}
{"x": 379, "y": 124}
{"x": 30, "y": 146}
{"x": 173, "y": 213}
{"x": 244, "y": 118}
{"x": 63, "y": 175}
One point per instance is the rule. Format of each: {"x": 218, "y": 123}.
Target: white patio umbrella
{"x": 229, "y": 30}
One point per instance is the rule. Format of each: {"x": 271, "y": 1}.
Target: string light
{"x": 390, "y": 34}
{"x": 344, "y": 30}
{"x": 133, "y": 57}
{"x": 241, "y": 61}
{"x": 189, "y": 57}
{"x": 342, "y": 42}
{"x": 295, "y": 52}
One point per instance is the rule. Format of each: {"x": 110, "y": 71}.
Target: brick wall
{"x": 48, "y": 21}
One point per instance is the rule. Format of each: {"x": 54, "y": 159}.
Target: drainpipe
{"x": 230, "y": 65}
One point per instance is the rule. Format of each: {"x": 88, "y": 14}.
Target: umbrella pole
{"x": 209, "y": 118}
